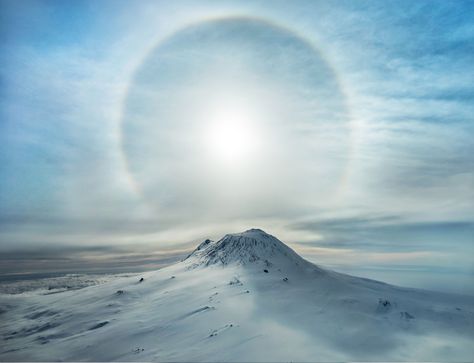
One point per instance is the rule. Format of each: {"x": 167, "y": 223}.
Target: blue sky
{"x": 383, "y": 188}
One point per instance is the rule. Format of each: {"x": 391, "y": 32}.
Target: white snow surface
{"x": 246, "y": 297}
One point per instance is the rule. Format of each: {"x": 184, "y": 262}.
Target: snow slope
{"x": 246, "y": 297}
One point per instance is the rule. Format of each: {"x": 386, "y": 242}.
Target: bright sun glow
{"x": 232, "y": 135}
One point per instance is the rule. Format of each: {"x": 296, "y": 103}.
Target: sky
{"x": 129, "y": 132}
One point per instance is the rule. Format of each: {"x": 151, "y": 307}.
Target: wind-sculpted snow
{"x": 251, "y": 299}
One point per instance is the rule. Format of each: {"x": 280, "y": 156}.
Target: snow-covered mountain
{"x": 245, "y": 248}
{"x": 246, "y": 297}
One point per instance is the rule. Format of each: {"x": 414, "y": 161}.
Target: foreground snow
{"x": 247, "y": 297}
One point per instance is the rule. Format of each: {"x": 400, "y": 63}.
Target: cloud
{"x": 57, "y": 259}
{"x": 389, "y": 233}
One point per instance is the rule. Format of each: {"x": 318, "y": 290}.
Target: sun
{"x": 232, "y": 134}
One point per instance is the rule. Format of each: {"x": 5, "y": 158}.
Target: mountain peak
{"x": 251, "y": 246}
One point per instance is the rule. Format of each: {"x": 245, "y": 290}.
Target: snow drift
{"x": 246, "y": 297}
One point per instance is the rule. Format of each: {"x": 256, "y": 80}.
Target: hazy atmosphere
{"x": 132, "y": 131}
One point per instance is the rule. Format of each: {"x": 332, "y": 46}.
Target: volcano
{"x": 252, "y": 246}
{"x": 245, "y": 297}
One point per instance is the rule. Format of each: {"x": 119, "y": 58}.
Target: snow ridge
{"x": 243, "y": 248}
